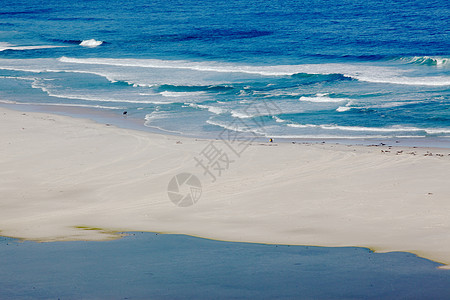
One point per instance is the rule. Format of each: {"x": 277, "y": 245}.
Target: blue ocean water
{"x": 294, "y": 69}
{"x": 155, "y": 266}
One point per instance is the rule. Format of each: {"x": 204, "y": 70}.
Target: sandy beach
{"x": 73, "y": 179}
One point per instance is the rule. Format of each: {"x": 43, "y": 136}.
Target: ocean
{"x": 349, "y": 70}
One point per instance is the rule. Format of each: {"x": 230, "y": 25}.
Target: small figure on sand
{"x": 270, "y": 140}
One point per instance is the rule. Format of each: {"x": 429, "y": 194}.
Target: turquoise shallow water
{"x": 290, "y": 69}
{"x": 149, "y": 265}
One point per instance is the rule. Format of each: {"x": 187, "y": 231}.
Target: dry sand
{"x": 70, "y": 179}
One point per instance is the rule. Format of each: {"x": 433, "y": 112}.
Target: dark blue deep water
{"x": 295, "y": 69}
{"x": 155, "y": 266}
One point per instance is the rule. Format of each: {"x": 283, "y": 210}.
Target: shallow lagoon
{"x": 151, "y": 265}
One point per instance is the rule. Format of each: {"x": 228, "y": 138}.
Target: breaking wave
{"x": 91, "y": 43}
{"x": 7, "y": 46}
{"x": 361, "y": 72}
{"x": 181, "y": 94}
{"x": 232, "y": 126}
{"x": 322, "y": 98}
{"x": 391, "y": 129}
{"x": 213, "y": 109}
{"x": 427, "y": 60}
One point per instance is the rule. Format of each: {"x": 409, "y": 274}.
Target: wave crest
{"x": 7, "y": 46}
{"x": 91, "y": 43}
{"x": 334, "y": 71}
{"x": 427, "y": 60}
{"x": 391, "y": 129}
{"x": 322, "y": 98}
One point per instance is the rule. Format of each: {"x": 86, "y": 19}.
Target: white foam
{"x": 437, "y": 61}
{"x": 295, "y": 125}
{"x": 211, "y": 66}
{"x": 37, "y": 84}
{"x": 7, "y": 46}
{"x": 147, "y": 94}
{"x": 91, "y": 43}
{"x": 278, "y": 120}
{"x": 214, "y": 109}
{"x": 391, "y": 129}
{"x": 362, "y": 72}
{"x": 393, "y": 104}
{"x": 181, "y": 64}
{"x": 18, "y": 78}
{"x": 181, "y": 94}
{"x": 403, "y": 80}
{"x": 84, "y": 105}
{"x": 347, "y": 107}
{"x": 240, "y": 115}
{"x": 334, "y": 137}
{"x": 7, "y": 101}
{"x": 234, "y": 127}
{"x": 437, "y": 130}
{"x": 371, "y": 129}
{"x": 322, "y": 98}
{"x": 42, "y": 65}
{"x": 63, "y": 104}
{"x": 158, "y": 115}
{"x": 343, "y": 108}
{"x": 261, "y": 109}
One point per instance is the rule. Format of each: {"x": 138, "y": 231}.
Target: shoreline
{"x": 80, "y": 174}
{"x": 116, "y": 119}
